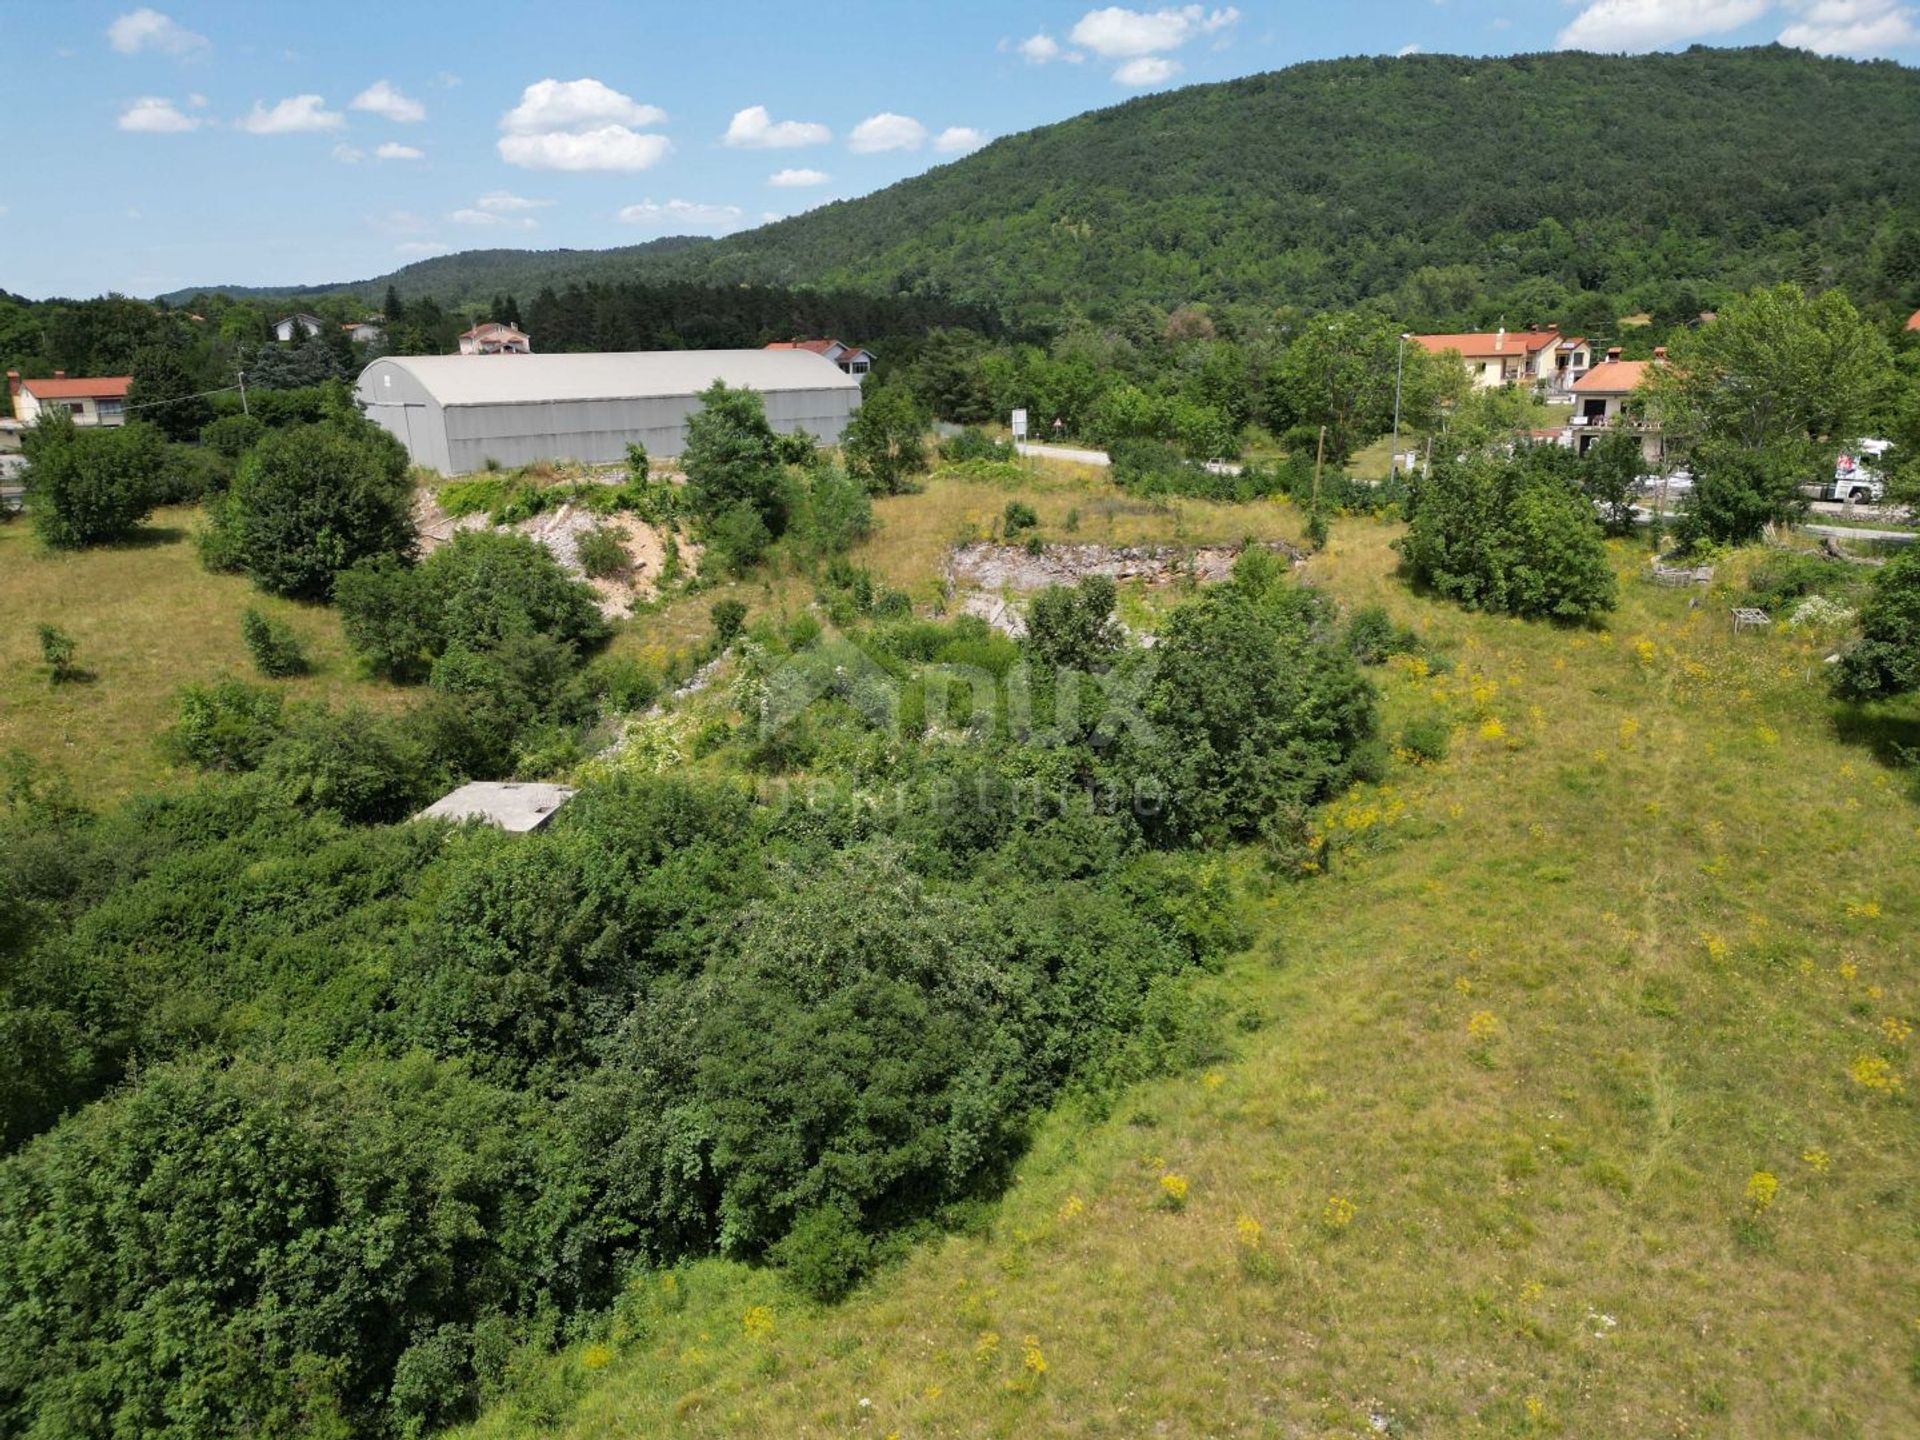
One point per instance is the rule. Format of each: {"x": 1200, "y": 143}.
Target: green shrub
{"x": 1372, "y": 636}
{"x": 276, "y": 650}
{"x": 363, "y": 767}
{"x": 973, "y": 443}
{"x": 1426, "y": 736}
{"x": 729, "y": 615}
{"x": 737, "y": 539}
{"x": 603, "y": 553}
{"x": 824, "y": 1255}
{"x": 226, "y": 725}
{"x": 1016, "y": 517}
{"x": 232, "y": 435}
{"x": 57, "y": 650}
{"x": 1779, "y": 579}
{"x": 1885, "y": 660}
{"x": 89, "y": 485}
{"x": 1073, "y": 627}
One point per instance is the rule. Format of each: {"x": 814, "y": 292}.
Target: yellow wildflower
{"x": 1483, "y": 1025}
{"x": 1247, "y": 1231}
{"x": 1031, "y": 1358}
{"x": 757, "y": 1322}
{"x": 987, "y": 1346}
{"x": 1716, "y": 946}
{"x": 1339, "y": 1212}
{"x": 1463, "y": 985}
{"x": 1895, "y": 1029}
{"x": 1492, "y": 729}
{"x": 1870, "y": 1072}
{"x": 1762, "y": 1186}
{"x": 596, "y": 1357}
{"x": 1071, "y": 1206}
{"x": 1173, "y": 1190}
{"x": 1816, "y": 1160}
{"x": 1213, "y": 1079}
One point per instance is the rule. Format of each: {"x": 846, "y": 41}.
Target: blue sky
{"x": 279, "y": 143}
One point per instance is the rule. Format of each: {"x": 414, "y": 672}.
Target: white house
{"x": 851, "y": 359}
{"x": 364, "y": 332}
{"x": 492, "y": 338}
{"x": 100, "y": 401}
{"x": 302, "y": 326}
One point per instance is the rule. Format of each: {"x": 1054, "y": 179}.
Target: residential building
{"x": 1601, "y": 405}
{"x": 298, "y": 327}
{"x": 455, "y": 413}
{"x": 851, "y": 359}
{"x": 365, "y": 332}
{"x": 99, "y": 401}
{"x": 490, "y": 337}
{"x": 1913, "y": 321}
{"x": 1516, "y": 357}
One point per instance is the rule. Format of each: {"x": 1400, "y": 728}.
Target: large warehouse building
{"x": 454, "y": 413}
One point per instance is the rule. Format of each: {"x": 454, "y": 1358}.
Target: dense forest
{"x": 1458, "y": 191}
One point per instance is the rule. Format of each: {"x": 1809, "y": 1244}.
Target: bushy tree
{"x": 311, "y": 501}
{"x": 1255, "y": 709}
{"x": 165, "y": 394}
{"x": 478, "y": 592}
{"x": 276, "y": 650}
{"x": 1764, "y": 398}
{"x": 1885, "y": 660}
{"x": 1340, "y": 372}
{"x": 232, "y": 435}
{"x": 733, "y": 460}
{"x": 885, "y": 441}
{"x": 1073, "y": 627}
{"x": 1508, "y": 535}
{"x": 86, "y": 486}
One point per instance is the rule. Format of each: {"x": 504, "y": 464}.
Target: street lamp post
{"x": 1399, "y": 373}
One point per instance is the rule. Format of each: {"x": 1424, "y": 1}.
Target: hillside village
{"x": 904, "y": 840}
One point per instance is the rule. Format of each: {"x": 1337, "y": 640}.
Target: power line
{"x": 177, "y": 399}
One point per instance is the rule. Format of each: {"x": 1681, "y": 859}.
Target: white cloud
{"x": 1147, "y": 70}
{"x": 197, "y": 100}
{"x": 754, "y": 129}
{"x": 506, "y": 200}
{"x": 958, "y": 140}
{"x": 1633, "y": 25}
{"x": 548, "y": 105}
{"x": 348, "y": 154}
{"x": 611, "y": 147}
{"x": 393, "y": 150}
{"x": 155, "y": 115}
{"x": 677, "y": 216}
{"x": 381, "y": 98}
{"x": 420, "y": 249}
{"x": 1406, "y": 50}
{"x": 1043, "y": 49}
{"x": 1851, "y": 27}
{"x": 797, "y": 179}
{"x": 446, "y": 80}
{"x": 145, "y": 29}
{"x": 493, "y": 217}
{"x": 296, "y": 115}
{"x": 1117, "y": 33}
{"x": 886, "y": 131}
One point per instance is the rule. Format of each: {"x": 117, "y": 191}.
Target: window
{"x": 858, "y": 367}
{"x": 111, "y": 409}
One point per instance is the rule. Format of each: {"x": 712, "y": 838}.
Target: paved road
{"x": 1854, "y": 532}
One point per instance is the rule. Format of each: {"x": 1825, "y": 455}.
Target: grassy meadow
{"x": 148, "y": 618}
{"x": 1575, "y": 1098}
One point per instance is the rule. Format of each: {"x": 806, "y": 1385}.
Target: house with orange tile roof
{"x": 1544, "y": 358}
{"x": 1606, "y": 401}
{"x": 491, "y": 337}
{"x": 1913, "y": 321}
{"x": 100, "y": 401}
{"x": 851, "y": 359}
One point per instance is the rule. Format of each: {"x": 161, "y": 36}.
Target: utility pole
{"x": 243, "y": 393}
{"x": 1319, "y": 454}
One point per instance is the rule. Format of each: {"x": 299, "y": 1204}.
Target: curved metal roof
{"x": 627, "y": 375}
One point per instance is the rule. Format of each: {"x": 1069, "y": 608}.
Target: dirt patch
{"x": 560, "y": 530}
{"x": 1012, "y": 567}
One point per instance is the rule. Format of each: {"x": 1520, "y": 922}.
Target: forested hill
{"x": 1514, "y": 180}
{"x": 1460, "y": 190}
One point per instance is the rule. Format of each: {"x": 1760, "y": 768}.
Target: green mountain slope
{"x": 1329, "y": 183}
{"x": 1457, "y": 187}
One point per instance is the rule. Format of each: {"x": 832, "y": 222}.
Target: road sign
{"x": 1019, "y": 424}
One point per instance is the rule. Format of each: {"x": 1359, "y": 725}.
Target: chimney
{"x": 59, "y": 374}
{"x": 13, "y": 382}
{"x": 1660, "y": 353}
{"x": 1614, "y": 353}
{"x": 1500, "y": 340}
